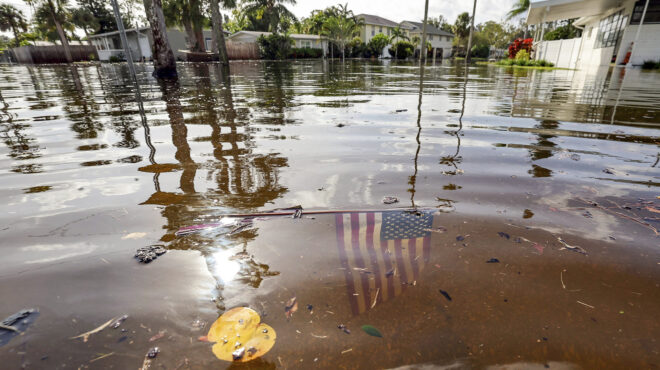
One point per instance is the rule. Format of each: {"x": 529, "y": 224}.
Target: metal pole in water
{"x": 639, "y": 28}
{"x": 422, "y": 49}
{"x": 124, "y": 40}
{"x": 469, "y": 45}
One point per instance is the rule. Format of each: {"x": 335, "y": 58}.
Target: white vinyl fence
{"x": 563, "y": 53}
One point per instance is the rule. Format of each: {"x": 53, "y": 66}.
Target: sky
{"x": 395, "y": 10}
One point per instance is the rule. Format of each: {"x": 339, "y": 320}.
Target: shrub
{"x": 525, "y": 63}
{"x": 356, "y": 48}
{"x": 522, "y": 55}
{"x": 651, "y": 64}
{"x": 114, "y": 59}
{"x": 274, "y": 46}
{"x": 480, "y": 51}
{"x": 520, "y": 44}
{"x": 377, "y": 44}
{"x": 302, "y": 53}
{"x": 402, "y": 49}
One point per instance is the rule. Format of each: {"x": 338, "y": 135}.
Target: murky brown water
{"x": 500, "y": 168}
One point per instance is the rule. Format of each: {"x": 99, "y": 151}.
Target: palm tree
{"x": 164, "y": 63}
{"x": 342, "y": 27}
{"x": 397, "y": 34}
{"x": 12, "y": 19}
{"x": 85, "y": 20}
{"x": 520, "y": 7}
{"x": 270, "y": 11}
{"x": 59, "y": 13}
{"x": 216, "y": 22}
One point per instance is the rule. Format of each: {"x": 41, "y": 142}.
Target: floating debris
{"x": 291, "y": 307}
{"x": 401, "y": 110}
{"x": 119, "y": 321}
{"x": 85, "y": 336}
{"x": 343, "y": 328}
{"x": 573, "y": 248}
{"x": 460, "y": 238}
{"x": 439, "y": 230}
{"x": 371, "y": 331}
{"x": 445, "y": 294}
{"x": 153, "y": 352}
{"x": 608, "y": 171}
{"x": 390, "y": 200}
{"x": 159, "y": 335}
{"x": 504, "y": 235}
{"x": 493, "y": 260}
{"x": 150, "y": 253}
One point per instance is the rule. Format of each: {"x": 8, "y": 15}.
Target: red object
{"x": 520, "y": 44}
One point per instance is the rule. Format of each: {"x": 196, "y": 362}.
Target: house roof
{"x": 374, "y": 19}
{"x": 295, "y": 36}
{"x": 554, "y": 10}
{"x": 430, "y": 29}
{"x": 106, "y": 34}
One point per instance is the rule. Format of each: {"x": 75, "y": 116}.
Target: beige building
{"x": 440, "y": 40}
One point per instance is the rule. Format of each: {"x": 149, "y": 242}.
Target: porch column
{"x": 639, "y": 28}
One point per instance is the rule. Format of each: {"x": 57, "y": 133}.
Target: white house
{"x": 373, "y": 25}
{"x": 440, "y": 40}
{"x": 140, "y": 40}
{"x": 300, "y": 40}
{"x": 610, "y": 28}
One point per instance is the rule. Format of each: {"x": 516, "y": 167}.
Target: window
{"x": 373, "y": 31}
{"x": 610, "y": 30}
{"x": 448, "y": 39}
{"x": 652, "y": 12}
{"x": 380, "y": 29}
{"x": 430, "y": 37}
{"x": 305, "y": 44}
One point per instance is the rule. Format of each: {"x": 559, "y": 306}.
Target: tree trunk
{"x": 190, "y": 34}
{"x": 216, "y": 18}
{"x": 16, "y": 41}
{"x": 197, "y": 23}
{"x": 199, "y": 38}
{"x": 164, "y": 63}
{"x": 60, "y": 32}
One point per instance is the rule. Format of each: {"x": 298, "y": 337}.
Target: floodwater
{"x": 467, "y": 270}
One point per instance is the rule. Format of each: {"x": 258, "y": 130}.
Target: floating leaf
{"x": 240, "y": 336}
{"x": 372, "y": 331}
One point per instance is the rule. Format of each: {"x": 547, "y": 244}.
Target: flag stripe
{"x": 343, "y": 258}
{"x": 401, "y": 268}
{"x": 359, "y": 261}
{"x": 373, "y": 255}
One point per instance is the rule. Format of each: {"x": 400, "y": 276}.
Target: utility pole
{"x": 124, "y": 40}
{"x": 469, "y": 45}
{"x": 422, "y": 50}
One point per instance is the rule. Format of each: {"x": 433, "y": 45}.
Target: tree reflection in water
{"x": 244, "y": 180}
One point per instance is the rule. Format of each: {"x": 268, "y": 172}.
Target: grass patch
{"x": 531, "y": 64}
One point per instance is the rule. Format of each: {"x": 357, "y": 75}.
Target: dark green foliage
{"x": 480, "y": 51}
{"x": 356, "y": 48}
{"x": 566, "y": 31}
{"x": 651, "y": 64}
{"x": 377, "y": 43}
{"x": 274, "y": 46}
{"x": 402, "y": 49}
{"x": 303, "y": 53}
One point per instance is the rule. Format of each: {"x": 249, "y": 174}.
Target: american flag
{"x": 381, "y": 253}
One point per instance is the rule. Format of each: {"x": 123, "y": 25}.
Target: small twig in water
{"x": 375, "y": 298}
{"x": 102, "y": 356}
{"x": 584, "y": 304}
{"x": 346, "y": 351}
{"x": 561, "y": 277}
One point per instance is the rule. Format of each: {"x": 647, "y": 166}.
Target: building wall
{"x": 367, "y": 29}
{"x": 647, "y": 47}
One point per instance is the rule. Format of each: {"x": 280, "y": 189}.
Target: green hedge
{"x": 651, "y": 64}
{"x": 302, "y": 53}
{"x": 525, "y": 63}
